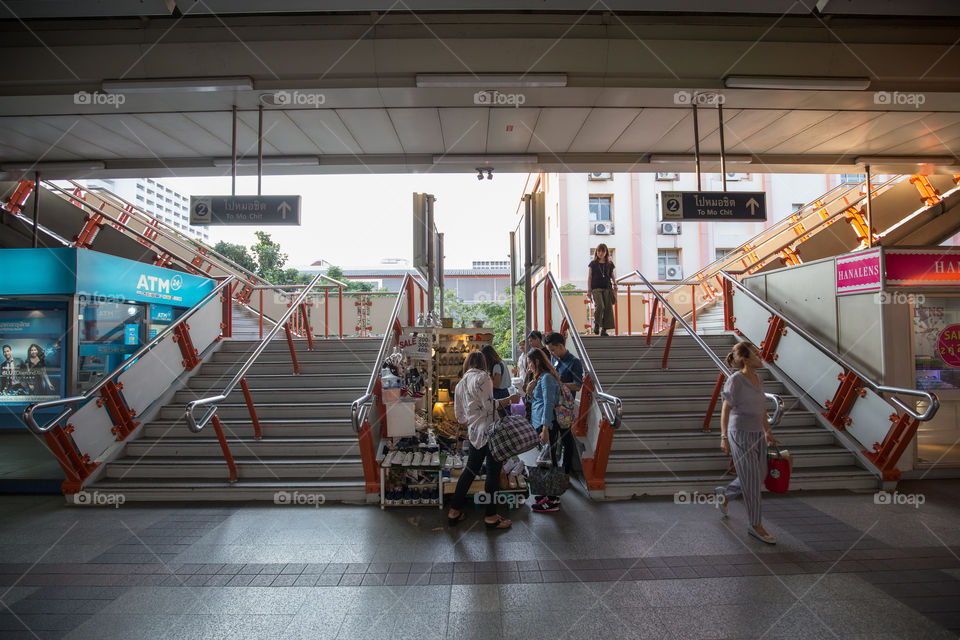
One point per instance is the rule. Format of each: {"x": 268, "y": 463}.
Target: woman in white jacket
{"x": 476, "y": 408}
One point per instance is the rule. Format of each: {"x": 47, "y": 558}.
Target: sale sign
{"x": 948, "y": 344}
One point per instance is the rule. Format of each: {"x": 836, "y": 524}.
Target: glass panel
{"x": 936, "y": 336}
{"x": 110, "y": 332}
{"x": 600, "y": 208}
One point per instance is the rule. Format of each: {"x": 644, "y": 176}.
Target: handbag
{"x": 779, "y": 464}
{"x": 511, "y": 435}
{"x": 546, "y": 479}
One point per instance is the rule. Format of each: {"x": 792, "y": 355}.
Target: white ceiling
{"x": 619, "y": 108}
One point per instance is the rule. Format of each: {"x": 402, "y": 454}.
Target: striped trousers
{"x": 749, "y": 451}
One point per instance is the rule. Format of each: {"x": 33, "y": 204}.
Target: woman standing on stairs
{"x": 745, "y": 433}
{"x": 602, "y": 287}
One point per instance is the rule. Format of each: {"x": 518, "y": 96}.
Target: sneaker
{"x": 435, "y": 459}
{"x": 417, "y": 459}
{"x": 522, "y": 481}
{"x": 545, "y": 506}
{"x": 457, "y": 462}
{"x": 388, "y": 459}
{"x": 407, "y": 495}
{"x": 407, "y": 459}
{"x": 448, "y": 462}
{"x": 415, "y": 496}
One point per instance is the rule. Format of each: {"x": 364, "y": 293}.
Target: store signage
{"x": 860, "y": 272}
{"x": 922, "y": 267}
{"x": 714, "y": 205}
{"x": 161, "y": 313}
{"x": 107, "y": 278}
{"x": 131, "y": 334}
{"x": 418, "y": 346}
{"x": 948, "y": 345}
{"x": 240, "y": 210}
{"x": 38, "y": 271}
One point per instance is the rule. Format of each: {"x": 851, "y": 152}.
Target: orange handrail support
{"x": 253, "y": 412}
{"x": 928, "y": 193}
{"x": 653, "y": 315}
{"x": 225, "y": 448}
{"x": 595, "y": 469}
{"x": 717, "y": 388}
{"x": 293, "y": 351}
{"x": 885, "y": 456}
{"x": 306, "y": 325}
{"x": 666, "y": 348}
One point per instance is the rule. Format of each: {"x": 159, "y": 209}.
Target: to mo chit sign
{"x": 882, "y": 268}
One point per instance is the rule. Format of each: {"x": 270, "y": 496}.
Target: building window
{"x": 150, "y": 202}
{"x": 140, "y": 187}
{"x": 855, "y": 178}
{"x": 600, "y": 209}
{"x": 665, "y": 258}
{"x": 721, "y": 252}
{"x": 796, "y": 206}
{"x": 593, "y": 250}
{"x": 139, "y": 197}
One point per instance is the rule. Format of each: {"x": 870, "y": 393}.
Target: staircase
{"x": 660, "y": 447}
{"x": 308, "y": 444}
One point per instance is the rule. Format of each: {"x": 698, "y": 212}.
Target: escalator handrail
{"x": 880, "y": 389}
{"x": 773, "y": 420}
{"x": 74, "y": 400}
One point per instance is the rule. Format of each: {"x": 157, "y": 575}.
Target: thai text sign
{"x": 714, "y": 205}
{"x": 258, "y": 210}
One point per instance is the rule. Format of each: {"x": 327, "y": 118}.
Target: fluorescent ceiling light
{"x": 679, "y": 159}
{"x": 273, "y": 161}
{"x": 476, "y": 160}
{"x": 796, "y": 82}
{"x": 490, "y": 80}
{"x": 80, "y": 165}
{"x": 941, "y": 160}
{"x": 159, "y": 85}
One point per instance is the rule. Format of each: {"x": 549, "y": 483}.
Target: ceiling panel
{"x": 278, "y": 134}
{"x": 904, "y": 139}
{"x": 150, "y": 133}
{"x": 33, "y": 147}
{"x": 326, "y": 130}
{"x": 858, "y": 137}
{"x": 216, "y": 128}
{"x": 556, "y": 129}
{"x": 648, "y": 127}
{"x": 56, "y": 133}
{"x": 419, "y": 130}
{"x": 782, "y": 129}
{"x": 936, "y": 143}
{"x": 837, "y": 124}
{"x": 601, "y": 129}
{"x": 465, "y": 130}
{"x": 511, "y": 129}
{"x": 738, "y": 128}
{"x": 372, "y": 129}
{"x": 286, "y": 136}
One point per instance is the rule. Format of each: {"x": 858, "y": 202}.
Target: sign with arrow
{"x": 714, "y": 205}
{"x": 239, "y": 210}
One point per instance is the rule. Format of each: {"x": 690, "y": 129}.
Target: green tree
{"x": 270, "y": 259}
{"x": 336, "y": 273}
{"x": 236, "y": 252}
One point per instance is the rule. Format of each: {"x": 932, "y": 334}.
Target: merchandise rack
{"x": 419, "y": 485}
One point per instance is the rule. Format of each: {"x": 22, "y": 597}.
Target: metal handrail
{"x": 877, "y": 387}
{"x": 604, "y": 400}
{"x": 360, "y": 406}
{"x": 773, "y": 420}
{"x": 73, "y": 400}
{"x": 196, "y": 426}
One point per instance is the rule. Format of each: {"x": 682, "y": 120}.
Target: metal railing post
{"x": 253, "y": 412}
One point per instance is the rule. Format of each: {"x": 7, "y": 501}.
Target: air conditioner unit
{"x": 597, "y": 175}
{"x": 669, "y": 228}
{"x": 667, "y": 177}
{"x": 734, "y": 177}
{"x": 602, "y": 228}
{"x": 674, "y": 272}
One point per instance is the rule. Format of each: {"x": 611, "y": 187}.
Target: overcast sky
{"x": 356, "y": 220}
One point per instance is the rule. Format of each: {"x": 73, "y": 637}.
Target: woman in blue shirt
{"x": 546, "y": 396}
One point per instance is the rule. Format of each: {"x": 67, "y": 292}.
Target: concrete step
{"x": 605, "y": 367}
{"x": 690, "y": 421}
{"x": 286, "y": 380}
{"x": 620, "y": 486}
{"x": 285, "y": 367}
{"x": 674, "y": 389}
{"x": 320, "y": 345}
{"x": 789, "y": 437}
{"x": 283, "y": 355}
{"x": 294, "y": 493}
{"x": 639, "y": 352}
{"x": 804, "y": 457}
{"x": 656, "y": 374}
{"x": 268, "y": 411}
{"x": 624, "y": 341}
{"x": 243, "y": 428}
{"x": 214, "y": 467}
{"x": 666, "y": 405}
{"x": 260, "y": 396}
{"x": 267, "y": 448}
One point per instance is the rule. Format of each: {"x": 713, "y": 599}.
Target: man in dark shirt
{"x": 570, "y": 370}
{"x": 9, "y": 368}
{"x": 568, "y": 366}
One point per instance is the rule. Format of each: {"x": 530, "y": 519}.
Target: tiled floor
{"x": 844, "y": 567}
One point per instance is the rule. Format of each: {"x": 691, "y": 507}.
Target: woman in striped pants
{"x": 746, "y": 434}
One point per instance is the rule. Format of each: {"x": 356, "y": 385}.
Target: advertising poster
{"x": 32, "y": 362}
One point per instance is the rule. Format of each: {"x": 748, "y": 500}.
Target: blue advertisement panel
{"x": 161, "y": 313}
{"x": 32, "y": 272}
{"x": 107, "y": 278}
{"x": 32, "y": 361}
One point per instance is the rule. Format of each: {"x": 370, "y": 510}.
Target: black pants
{"x": 471, "y": 470}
